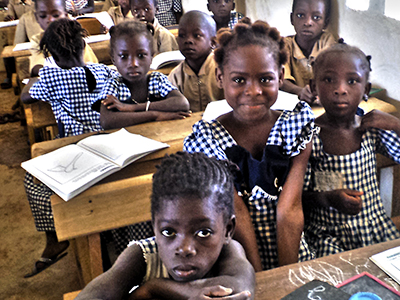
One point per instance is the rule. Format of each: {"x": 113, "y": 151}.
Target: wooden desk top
{"x": 277, "y": 283}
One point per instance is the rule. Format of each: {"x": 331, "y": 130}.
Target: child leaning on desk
{"x": 71, "y": 88}
{"x": 270, "y": 147}
{"x": 135, "y": 96}
{"x": 192, "y": 255}
{"x": 310, "y": 19}
{"x": 195, "y": 76}
{"x": 341, "y": 190}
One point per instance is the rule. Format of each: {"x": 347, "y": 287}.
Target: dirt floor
{"x": 21, "y": 245}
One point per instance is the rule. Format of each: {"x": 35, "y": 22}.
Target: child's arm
{"x": 381, "y": 120}
{"x": 25, "y": 96}
{"x": 289, "y": 212}
{"x": 175, "y": 106}
{"x": 304, "y": 94}
{"x": 235, "y": 279}
{"x": 127, "y": 272}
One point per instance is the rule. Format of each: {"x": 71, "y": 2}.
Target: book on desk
{"x": 74, "y": 168}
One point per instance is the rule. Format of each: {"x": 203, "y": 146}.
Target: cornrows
{"x": 187, "y": 175}
{"x": 244, "y": 34}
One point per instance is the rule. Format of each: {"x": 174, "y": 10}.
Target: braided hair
{"x": 194, "y": 175}
{"x": 244, "y": 34}
{"x": 131, "y": 28}
{"x": 342, "y": 47}
{"x": 63, "y": 38}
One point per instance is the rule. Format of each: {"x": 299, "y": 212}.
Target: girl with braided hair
{"x": 270, "y": 147}
{"x": 192, "y": 255}
{"x": 341, "y": 186}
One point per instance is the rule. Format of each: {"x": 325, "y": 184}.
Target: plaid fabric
{"x": 235, "y": 17}
{"x": 74, "y": 5}
{"x": 328, "y": 231}
{"x": 67, "y": 92}
{"x": 166, "y": 10}
{"x": 292, "y": 131}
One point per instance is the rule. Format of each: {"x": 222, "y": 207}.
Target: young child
{"x": 121, "y": 12}
{"x": 135, "y": 96}
{"x": 195, "y": 76}
{"x": 341, "y": 187}
{"x": 46, "y": 12}
{"x": 270, "y": 147}
{"x": 16, "y": 8}
{"x": 309, "y": 18}
{"x": 192, "y": 254}
{"x": 70, "y": 89}
{"x": 144, "y": 11}
{"x": 223, "y": 13}
{"x": 169, "y": 12}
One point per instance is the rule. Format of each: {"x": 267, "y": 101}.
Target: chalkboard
{"x": 319, "y": 290}
{"x": 366, "y": 282}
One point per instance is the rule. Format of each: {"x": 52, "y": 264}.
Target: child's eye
{"x": 239, "y": 80}
{"x": 328, "y": 80}
{"x": 146, "y": 9}
{"x": 168, "y": 232}
{"x": 353, "y": 81}
{"x": 42, "y": 16}
{"x": 265, "y": 80}
{"x": 203, "y": 233}
{"x": 299, "y": 15}
{"x": 197, "y": 36}
{"x": 122, "y": 56}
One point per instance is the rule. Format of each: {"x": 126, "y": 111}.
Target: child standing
{"x": 223, "y": 13}
{"x": 309, "y": 18}
{"x": 341, "y": 189}
{"x": 270, "y": 147}
{"x": 153, "y": 97}
{"x": 144, "y": 11}
{"x": 193, "y": 219}
{"x": 71, "y": 89}
{"x": 195, "y": 76}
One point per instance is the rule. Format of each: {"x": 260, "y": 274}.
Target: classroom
{"x": 372, "y": 25}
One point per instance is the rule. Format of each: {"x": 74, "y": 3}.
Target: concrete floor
{"x": 21, "y": 245}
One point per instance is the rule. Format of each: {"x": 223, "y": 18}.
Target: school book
{"x": 389, "y": 262}
{"x": 74, "y": 168}
{"x": 317, "y": 289}
{"x": 164, "y": 59}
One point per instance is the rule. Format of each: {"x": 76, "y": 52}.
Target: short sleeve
{"x": 159, "y": 85}
{"x": 40, "y": 90}
{"x": 388, "y": 143}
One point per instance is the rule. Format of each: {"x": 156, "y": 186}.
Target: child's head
{"x": 192, "y": 213}
{"x": 144, "y": 10}
{"x": 250, "y": 61}
{"x": 310, "y": 17}
{"x": 63, "y": 40}
{"x": 196, "y": 36}
{"x": 221, "y": 8}
{"x": 341, "y": 74}
{"x": 47, "y": 11}
{"x": 131, "y": 49}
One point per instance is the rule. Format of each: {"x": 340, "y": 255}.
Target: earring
{"x": 365, "y": 97}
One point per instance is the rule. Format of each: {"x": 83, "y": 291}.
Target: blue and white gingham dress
{"x": 166, "y": 11}
{"x": 292, "y": 131}
{"x": 328, "y": 231}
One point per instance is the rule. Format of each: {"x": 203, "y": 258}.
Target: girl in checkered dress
{"x": 154, "y": 98}
{"x": 270, "y": 147}
{"x": 341, "y": 186}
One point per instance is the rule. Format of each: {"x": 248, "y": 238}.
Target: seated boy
{"x": 223, "y": 13}
{"x": 192, "y": 255}
{"x": 169, "y": 12}
{"x": 144, "y": 11}
{"x": 121, "y": 12}
{"x": 195, "y": 76}
{"x": 309, "y": 18}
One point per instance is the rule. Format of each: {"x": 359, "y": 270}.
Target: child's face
{"x": 143, "y": 10}
{"x": 221, "y": 8}
{"x": 251, "y": 79}
{"x": 308, "y": 19}
{"x": 340, "y": 83}
{"x": 190, "y": 234}
{"x": 132, "y": 56}
{"x": 48, "y": 11}
{"x": 194, "y": 40}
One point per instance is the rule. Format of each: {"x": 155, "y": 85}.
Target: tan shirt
{"x": 117, "y": 16}
{"x": 109, "y": 3}
{"x": 198, "y": 89}
{"x": 298, "y": 69}
{"x": 16, "y": 9}
{"x": 164, "y": 40}
{"x": 37, "y": 58}
{"x": 27, "y": 27}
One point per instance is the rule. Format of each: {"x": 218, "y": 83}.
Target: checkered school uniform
{"x": 328, "y": 231}
{"x": 291, "y": 132}
{"x": 166, "y": 10}
{"x": 74, "y": 5}
{"x": 234, "y": 19}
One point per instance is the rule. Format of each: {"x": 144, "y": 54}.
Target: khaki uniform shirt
{"x": 16, "y": 8}
{"x": 164, "y": 40}
{"x": 199, "y": 89}
{"x": 117, "y": 16}
{"x": 298, "y": 69}
{"x": 27, "y": 27}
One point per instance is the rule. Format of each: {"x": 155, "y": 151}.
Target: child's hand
{"x": 307, "y": 95}
{"x": 164, "y": 115}
{"x": 221, "y": 293}
{"x": 381, "y": 120}
{"x": 8, "y": 18}
{"x": 346, "y": 201}
{"x": 112, "y": 102}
